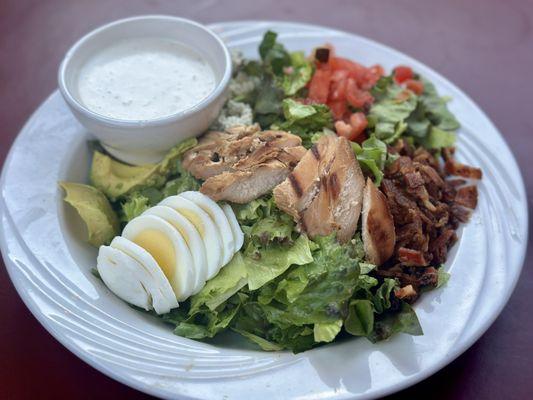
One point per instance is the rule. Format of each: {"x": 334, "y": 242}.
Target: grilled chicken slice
{"x": 379, "y": 236}
{"x": 245, "y": 185}
{"x": 243, "y": 163}
{"x": 324, "y": 192}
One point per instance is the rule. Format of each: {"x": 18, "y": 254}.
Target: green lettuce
{"x": 436, "y": 108}
{"x": 305, "y": 118}
{"x": 388, "y": 114}
{"x": 425, "y": 119}
{"x": 373, "y": 157}
{"x": 300, "y": 73}
{"x": 360, "y": 319}
{"x": 138, "y": 201}
{"x": 326, "y": 332}
{"x": 390, "y": 323}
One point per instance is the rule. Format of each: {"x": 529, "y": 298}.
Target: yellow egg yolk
{"x": 160, "y": 247}
{"x": 193, "y": 218}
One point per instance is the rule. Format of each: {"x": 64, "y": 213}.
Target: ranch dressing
{"x": 144, "y": 79}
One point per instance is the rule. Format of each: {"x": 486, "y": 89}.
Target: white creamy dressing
{"x": 144, "y": 79}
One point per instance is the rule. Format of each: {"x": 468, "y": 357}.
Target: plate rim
{"x": 408, "y": 380}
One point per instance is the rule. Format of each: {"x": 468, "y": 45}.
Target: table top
{"x": 484, "y": 46}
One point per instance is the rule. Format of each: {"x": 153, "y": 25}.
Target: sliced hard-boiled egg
{"x": 120, "y": 274}
{"x": 238, "y": 235}
{"x": 163, "y": 297}
{"x": 221, "y": 222}
{"x": 192, "y": 238}
{"x": 205, "y": 227}
{"x": 169, "y": 249}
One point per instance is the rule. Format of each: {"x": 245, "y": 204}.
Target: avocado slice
{"x": 116, "y": 179}
{"x": 94, "y": 208}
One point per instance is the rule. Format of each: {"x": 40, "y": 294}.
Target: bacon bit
{"x": 406, "y": 293}
{"x": 322, "y": 54}
{"x": 456, "y": 182}
{"x": 467, "y": 196}
{"x": 453, "y": 167}
{"x": 410, "y": 257}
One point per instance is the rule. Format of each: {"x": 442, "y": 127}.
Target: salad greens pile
{"x": 283, "y": 290}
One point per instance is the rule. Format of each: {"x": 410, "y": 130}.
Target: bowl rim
{"x": 71, "y": 100}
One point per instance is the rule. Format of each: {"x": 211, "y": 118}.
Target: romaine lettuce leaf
{"x": 326, "y": 332}
{"x": 305, "y": 119}
{"x": 225, "y": 284}
{"x": 403, "y": 321}
{"x": 373, "y": 157}
{"x": 436, "y": 108}
{"x": 360, "y": 319}
{"x": 300, "y": 73}
{"x": 274, "y": 260}
{"x": 387, "y": 115}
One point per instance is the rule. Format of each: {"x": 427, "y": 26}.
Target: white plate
{"x": 50, "y": 265}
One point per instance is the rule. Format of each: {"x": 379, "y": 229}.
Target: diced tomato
{"x": 359, "y": 123}
{"x": 338, "y": 108}
{"x": 356, "y": 97}
{"x": 355, "y": 70}
{"x": 338, "y": 90}
{"x": 345, "y": 130}
{"x": 339, "y": 75}
{"x": 402, "y": 73}
{"x": 319, "y": 86}
{"x": 415, "y": 86}
{"x": 371, "y": 76}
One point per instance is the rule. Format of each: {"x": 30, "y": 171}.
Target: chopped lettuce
{"x": 373, "y": 157}
{"x": 401, "y": 321}
{"x": 438, "y": 138}
{"x": 425, "y": 119}
{"x": 305, "y": 118}
{"x": 326, "y": 332}
{"x": 273, "y": 54}
{"x": 298, "y": 74}
{"x": 436, "y": 108}
{"x": 387, "y": 115}
{"x": 360, "y": 319}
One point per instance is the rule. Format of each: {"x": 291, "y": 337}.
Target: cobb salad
{"x": 320, "y": 205}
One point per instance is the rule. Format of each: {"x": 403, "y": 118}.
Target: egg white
{"x": 192, "y": 238}
{"x": 238, "y": 235}
{"x": 180, "y": 272}
{"x": 221, "y": 222}
{"x": 163, "y": 296}
{"x": 205, "y": 227}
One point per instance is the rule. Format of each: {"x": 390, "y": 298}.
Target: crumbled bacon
{"x": 427, "y": 206}
{"x": 467, "y": 196}
{"x": 453, "y": 167}
{"x": 411, "y": 257}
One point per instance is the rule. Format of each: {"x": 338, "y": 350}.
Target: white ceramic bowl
{"x": 145, "y": 141}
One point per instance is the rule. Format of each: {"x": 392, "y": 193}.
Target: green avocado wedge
{"x": 94, "y": 208}
{"x": 116, "y": 179}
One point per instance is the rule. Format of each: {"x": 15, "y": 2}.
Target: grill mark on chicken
{"x": 333, "y": 186}
{"x": 295, "y": 185}
{"x": 243, "y": 163}
{"x": 315, "y": 152}
{"x": 324, "y": 191}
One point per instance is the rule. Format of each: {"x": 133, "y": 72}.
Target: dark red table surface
{"x": 484, "y": 46}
